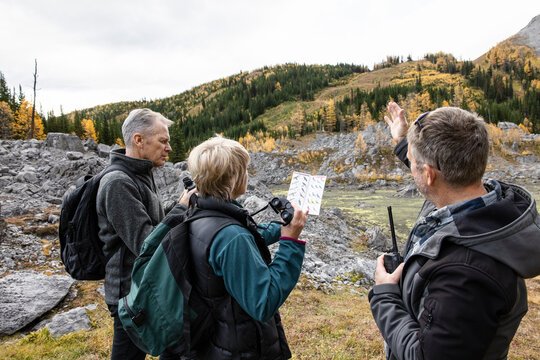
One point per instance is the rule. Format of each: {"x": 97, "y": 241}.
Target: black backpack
{"x": 81, "y": 249}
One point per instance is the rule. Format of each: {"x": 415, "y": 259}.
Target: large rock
{"x": 69, "y": 321}
{"x": 377, "y": 240}
{"x": 103, "y": 150}
{"x": 408, "y": 191}
{"x": 505, "y": 125}
{"x": 26, "y": 295}
{"x": 90, "y": 144}
{"x": 61, "y": 141}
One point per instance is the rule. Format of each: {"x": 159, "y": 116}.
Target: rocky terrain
{"x": 34, "y": 175}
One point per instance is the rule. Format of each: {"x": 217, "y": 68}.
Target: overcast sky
{"x": 93, "y": 52}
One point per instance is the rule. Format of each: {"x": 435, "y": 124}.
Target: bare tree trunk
{"x": 32, "y": 124}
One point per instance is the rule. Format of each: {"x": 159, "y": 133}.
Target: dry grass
{"x": 318, "y": 326}
{"x": 335, "y": 326}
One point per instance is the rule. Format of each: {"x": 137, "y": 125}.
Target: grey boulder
{"x": 27, "y": 295}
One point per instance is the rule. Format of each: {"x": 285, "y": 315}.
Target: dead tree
{"x": 32, "y": 123}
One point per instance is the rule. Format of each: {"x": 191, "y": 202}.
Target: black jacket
{"x": 236, "y": 335}
{"x": 463, "y": 296}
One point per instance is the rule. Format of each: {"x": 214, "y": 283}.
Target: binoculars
{"x": 188, "y": 183}
{"x": 284, "y": 208}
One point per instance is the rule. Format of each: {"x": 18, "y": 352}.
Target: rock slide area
{"x": 34, "y": 175}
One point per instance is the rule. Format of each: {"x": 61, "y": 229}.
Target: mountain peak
{"x": 530, "y": 35}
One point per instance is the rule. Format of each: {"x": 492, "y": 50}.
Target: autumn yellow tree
{"x": 297, "y": 123}
{"x": 89, "y": 131}
{"x": 365, "y": 117}
{"x": 21, "y": 124}
{"x": 330, "y": 118}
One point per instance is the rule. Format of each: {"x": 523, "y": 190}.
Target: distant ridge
{"x": 530, "y": 35}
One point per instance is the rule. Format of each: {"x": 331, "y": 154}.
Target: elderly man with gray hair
{"x": 128, "y": 208}
{"x": 460, "y": 292}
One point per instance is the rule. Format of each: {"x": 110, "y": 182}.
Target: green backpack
{"x": 163, "y": 309}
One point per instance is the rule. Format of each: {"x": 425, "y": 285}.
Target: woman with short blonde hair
{"x": 218, "y": 167}
{"x": 232, "y": 266}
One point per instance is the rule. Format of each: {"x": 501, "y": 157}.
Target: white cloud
{"x": 96, "y": 52}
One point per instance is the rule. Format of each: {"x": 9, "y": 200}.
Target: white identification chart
{"x": 306, "y": 191}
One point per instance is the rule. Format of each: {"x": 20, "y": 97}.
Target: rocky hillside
{"x": 34, "y": 175}
{"x": 530, "y": 35}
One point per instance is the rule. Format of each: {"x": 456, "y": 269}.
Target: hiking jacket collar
{"x": 508, "y": 231}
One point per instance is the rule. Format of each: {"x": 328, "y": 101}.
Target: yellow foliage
{"x": 527, "y": 126}
{"x": 513, "y": 135}
{"x": 330, "y": 119}
{"x": 507, "y": 51}
{"x": 360, "y": 143}
{"x": 120, "y": 142}
{"x": 417, "y": 104}
{"x": 20, "y": 128}
{"x": 365, "y": 117}
{"x": 499, "y": 137}
{"x": 310, "y": 156}
{"x": 496, "y": 135}
{"x": 259, "y": 142}
{"x": 297, "y": 122}
{"x": 89, "y": 131}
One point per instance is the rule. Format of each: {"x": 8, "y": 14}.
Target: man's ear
{"x": 430, "y": 174}
{"x": 138, "y": 140}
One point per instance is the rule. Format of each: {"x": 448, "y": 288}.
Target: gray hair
{"x": 141, "y": 121}
{"x": 454, "y": 141}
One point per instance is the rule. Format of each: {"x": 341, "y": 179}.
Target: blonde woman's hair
{"x": 218, "y": 167}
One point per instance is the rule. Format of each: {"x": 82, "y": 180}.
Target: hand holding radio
{"x": 392, "y": 259}
{"x": 389, "y": 265}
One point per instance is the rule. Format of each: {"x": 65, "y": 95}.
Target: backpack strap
{"x": 132, "y": 176}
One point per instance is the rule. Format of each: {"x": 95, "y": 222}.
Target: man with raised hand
{"x": 460, "y": 292}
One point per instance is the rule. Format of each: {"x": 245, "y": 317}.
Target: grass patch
{"x": 336, "y": 326}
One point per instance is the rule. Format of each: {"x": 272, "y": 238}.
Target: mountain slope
{"x": 293, "y": 100}
{"x": 530, "y": 35}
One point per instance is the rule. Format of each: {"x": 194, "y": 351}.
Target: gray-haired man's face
{"x": 156, "y": 146}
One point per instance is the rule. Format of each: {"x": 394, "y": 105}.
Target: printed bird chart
{"x": 306, "y": 191}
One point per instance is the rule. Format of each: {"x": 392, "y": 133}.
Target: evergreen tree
{"x": 178, "y": 152}
{"x": 5, "y": 94}
{"x": 77, "y": 125}
{"x": 63, "y": 123}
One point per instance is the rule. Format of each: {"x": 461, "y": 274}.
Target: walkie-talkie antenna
{"x": 392, "y": 259}
{"x": 393, "y": 232}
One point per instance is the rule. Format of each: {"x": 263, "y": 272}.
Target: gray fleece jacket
{"x": 124, "y": 218}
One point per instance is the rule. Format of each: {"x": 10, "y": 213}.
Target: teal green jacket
{"x": 260, "y": 289}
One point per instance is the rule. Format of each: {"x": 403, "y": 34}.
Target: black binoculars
{"x": 188, "y": 183}
{"x": 284, "y": 207}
